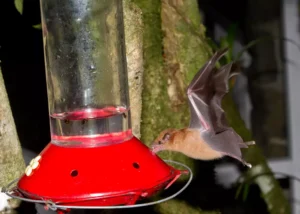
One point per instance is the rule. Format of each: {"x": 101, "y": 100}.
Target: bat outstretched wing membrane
{"x": 221, "y": 88}
{"x": 200, "y": 93}
{"x": 205, "y": 94}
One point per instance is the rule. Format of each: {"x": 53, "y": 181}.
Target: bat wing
{"x": 227, "y": 142}
{"x": 205, "y": 94}
{"x": 200, "y": 92}
{"x": 221, "y": 88}
{"x": 224, "y": 139}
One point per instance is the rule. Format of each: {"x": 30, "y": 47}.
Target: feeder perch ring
{"x": 9, "y": 190}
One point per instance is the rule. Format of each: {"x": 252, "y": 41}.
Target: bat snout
{"x": 156, "y": 147}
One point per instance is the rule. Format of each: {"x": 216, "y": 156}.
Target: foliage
{"x": 19, "y": 5}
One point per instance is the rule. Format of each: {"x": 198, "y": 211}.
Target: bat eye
{"x": 159, "y": 142}
{"x": 166, "y": 137}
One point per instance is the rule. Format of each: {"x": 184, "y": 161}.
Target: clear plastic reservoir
{"x": 86, "y": 72}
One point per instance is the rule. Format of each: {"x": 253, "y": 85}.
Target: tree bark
{"x": 163, "y": 104}
{"x": 174, "y": 48}
{"x": 11, "y": 159}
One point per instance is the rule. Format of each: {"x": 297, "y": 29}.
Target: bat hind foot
{"x": 246, "y": 144}
{"x": 250, "y": 143}
{"x": 249, "y": 165}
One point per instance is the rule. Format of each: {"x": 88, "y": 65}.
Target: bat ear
{"x": 166, "y": 137}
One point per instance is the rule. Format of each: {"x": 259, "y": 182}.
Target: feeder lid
{"x": 119, "y": 174}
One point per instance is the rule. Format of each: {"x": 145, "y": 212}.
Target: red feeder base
{"x": 119, "y": 174}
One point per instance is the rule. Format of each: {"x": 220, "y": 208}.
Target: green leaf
{"x": 238, "y": 192}
{"x": 231, "y": 34}
{"x": 212, "y": 44}
{"x": 19, "y": 6}
{"x": 227, "y": 42}
{"x": 264, "y": 38}
{"x": 224, "y": 44}
{"x": 38, "y": 26}
{"x": 246, "y": 191}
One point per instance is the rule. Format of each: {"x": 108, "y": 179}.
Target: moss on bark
{"x": 172, "y": 54}
{"x": 174, "y": 48}
{"x": 159, "y": 111}
{"x": 181, "y": 207}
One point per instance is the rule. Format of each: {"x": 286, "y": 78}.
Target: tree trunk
{"x": 11, "y": 159}
{"x": 174, "y": 48}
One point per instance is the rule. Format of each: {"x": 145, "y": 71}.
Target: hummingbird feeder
{"x": 93, "y": 160}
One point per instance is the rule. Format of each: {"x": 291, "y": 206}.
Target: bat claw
{"x": 249, "y": 165}
{"x": 250, "y": 143}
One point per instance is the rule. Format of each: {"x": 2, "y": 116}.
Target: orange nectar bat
{"x": 208, "y": 136}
